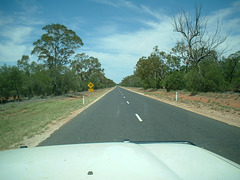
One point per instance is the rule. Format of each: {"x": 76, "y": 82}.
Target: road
{"x": 122, "y": 114}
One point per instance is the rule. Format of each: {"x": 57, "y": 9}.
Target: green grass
{"x": 21, "y": 120}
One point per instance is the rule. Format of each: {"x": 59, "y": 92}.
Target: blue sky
{"x": 117, "y": 32}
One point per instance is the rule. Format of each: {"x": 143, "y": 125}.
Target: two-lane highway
{"x": 122, "y": 114}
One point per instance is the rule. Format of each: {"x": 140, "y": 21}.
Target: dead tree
{"x": 198, "y": 43}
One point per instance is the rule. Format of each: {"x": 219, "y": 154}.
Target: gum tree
{"x": 55, "y": 48}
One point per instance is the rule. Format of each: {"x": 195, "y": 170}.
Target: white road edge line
{"x": 127, "y": 102}
{"x": 139, "y": 118}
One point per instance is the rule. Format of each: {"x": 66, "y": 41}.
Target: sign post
{"x": 90, "y": 85}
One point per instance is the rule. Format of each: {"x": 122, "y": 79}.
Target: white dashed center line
{"x": 139, "y": 118}
{"x": 127, "y": 102}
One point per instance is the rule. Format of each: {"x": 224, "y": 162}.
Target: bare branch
{"x": 194, "y": 31}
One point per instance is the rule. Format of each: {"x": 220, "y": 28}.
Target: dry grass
{"x": 22, "y": 120}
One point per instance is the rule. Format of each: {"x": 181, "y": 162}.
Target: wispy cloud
{"x": 17, "y": 31}
{"x": 5, "y": 20}
{"x": 29, "y": 6}
{"x": 116, "y": 65}
{"x": 119, "y": 52}
{"x": 229, "y": 24}
{"x": 16, "y": 35}
{"x": 141, "y": 41}
{"x": 10, "y": 52}
{"x": 14, "y": 43}
{"x": 153, "y": 13}
{"x": 118, "y": 3}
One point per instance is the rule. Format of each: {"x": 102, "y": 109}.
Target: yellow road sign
{"x": 90, "y": 85}
{"x": 90, "y": 90}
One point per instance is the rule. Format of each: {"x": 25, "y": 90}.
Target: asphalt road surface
{"x": 122, "y": 115}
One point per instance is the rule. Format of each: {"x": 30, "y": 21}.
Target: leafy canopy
{"x": 57, "y": 45}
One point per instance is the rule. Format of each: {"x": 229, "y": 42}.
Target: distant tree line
{"x": 193, "y": 64}
{"x": 162, "y": 70}
{"x": 60, "y": 70}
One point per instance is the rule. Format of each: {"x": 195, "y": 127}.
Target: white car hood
{"x": 116, "y": 161}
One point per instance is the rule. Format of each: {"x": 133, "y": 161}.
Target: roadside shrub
{"x": 212, "y": 77}
{"x": 148, "y": 83}
{"x": 207, "y": 77}
{"x": 193, "y": 81}
{"x": 174, "y": 81}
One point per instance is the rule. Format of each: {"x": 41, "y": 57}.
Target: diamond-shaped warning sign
{"x": 90, "y": 85}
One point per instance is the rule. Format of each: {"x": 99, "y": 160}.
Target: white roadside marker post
{"x": 83, "y": 100}
{"x": 176, "y": 96}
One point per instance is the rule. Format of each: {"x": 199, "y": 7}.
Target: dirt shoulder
{"x": 224, "y": 107}
{"x": 51, "y": 128}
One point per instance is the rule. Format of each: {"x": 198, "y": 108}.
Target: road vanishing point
{"x": 122, "y": 114}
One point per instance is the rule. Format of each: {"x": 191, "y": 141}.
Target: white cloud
{"x": 118, "y": 3}
{"x": 140, "y": 42}
{"x": 153, "y": 13}
{"x": 230, "y": 26}
{"x": 14, "y": 44}
{"x": 11, "y": 52}
{"x": 17, "y": 31}
{"x": 5, "y": 20}
{"x": 119, "y": 52}
{"x": 28, "y": 6}
{"x": 17, "y": 34}
{"x": 116, "y": 65}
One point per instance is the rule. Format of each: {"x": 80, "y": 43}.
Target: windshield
{"x": 107, "y": 71}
